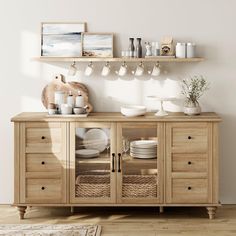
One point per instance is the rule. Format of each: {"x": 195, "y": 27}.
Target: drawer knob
{"x": 189, "y": 188}
{"x": 189, "y": 163}
{"x": 43, "y": 137}
{"x": 189, "y": 137}
{"x": 42, "y": 162}
{"x": 43, "y": 188}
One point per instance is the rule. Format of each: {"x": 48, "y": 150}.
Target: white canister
{"x": 191, "y": 50}
{"x": 59, "y": 98}
{"x": 70, "y": 100}
{"x": 79, "y": 101}
{"x": 180, "y": 50}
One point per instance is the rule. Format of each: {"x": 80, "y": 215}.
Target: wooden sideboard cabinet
{"x": 56, "y": 165}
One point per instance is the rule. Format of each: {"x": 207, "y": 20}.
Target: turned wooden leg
{"x": 72, "y": 210}
{"x": 211, "y": 212}
{"x": 22, "y": 210}
{"x": 161, "y": 209}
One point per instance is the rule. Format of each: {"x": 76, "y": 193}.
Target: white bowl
{"x": 132, "y": 111}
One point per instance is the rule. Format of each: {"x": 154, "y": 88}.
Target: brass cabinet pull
{"x": 113, "y": 162}
{"x": 119, "y": 159}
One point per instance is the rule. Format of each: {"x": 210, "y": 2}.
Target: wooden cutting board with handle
{"x": 59, "y": 84}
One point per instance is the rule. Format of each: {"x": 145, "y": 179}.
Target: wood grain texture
{"x": 84, "y": 59}
{"x": 179, "y": 221}
{"x": 116, "y": 117}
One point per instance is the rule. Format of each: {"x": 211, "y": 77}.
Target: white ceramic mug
{"x": 89, "y": 69}
{"x": 123, "y": 70}
{"x": 156, "y": 71}
{"x": 139, "y": 70}
{"x": 106, "y": 70}
{"x": 66, "y": 109}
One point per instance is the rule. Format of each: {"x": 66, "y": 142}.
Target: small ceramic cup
{"x": 79, "y": 110}
{"x": 106, "y": 69}
{"x": 52, "y": 111}
{"x": 89, "y": 69}
{"x": 123, "y": 70}
{"x": 66, "y": 109}
{"x": 156, "y": 71}
{"x": 139, "y": 70}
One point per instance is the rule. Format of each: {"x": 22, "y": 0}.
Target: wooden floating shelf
{"x": 118, "y": 59}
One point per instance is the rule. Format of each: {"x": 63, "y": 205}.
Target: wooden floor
{"x": 134, "y": 221}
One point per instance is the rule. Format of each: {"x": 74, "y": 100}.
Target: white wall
{"x": 211, "y": 24}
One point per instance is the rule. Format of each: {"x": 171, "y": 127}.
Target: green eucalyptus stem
{"x": 193, "y": 88}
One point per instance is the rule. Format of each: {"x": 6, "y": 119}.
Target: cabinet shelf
{"x": 102, "y": 159}
{"x": 131, "y": 160}
{"x": 117, "y": 59}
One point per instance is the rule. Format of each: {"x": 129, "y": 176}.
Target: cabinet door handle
{"x": 189, "y": 137}
{"x": 113, "y": 162}
{"x": 43, "y": 137}
{"x": 189, "y": 188}
{"x": 42, "y": 162}
{"x": 189, "y": 163}
{"x": 119, "y": 159}
{"x": 43, "y": 188}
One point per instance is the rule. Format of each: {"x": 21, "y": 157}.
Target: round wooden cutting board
{"x": 59, "y": 84}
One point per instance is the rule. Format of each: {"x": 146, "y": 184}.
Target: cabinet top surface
{"x": 115, "y": 116}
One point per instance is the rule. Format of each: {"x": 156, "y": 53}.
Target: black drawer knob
{"x": 189, "y": 188}
{"x": 42, "y": 162}
{"x": 43, "y": 188}
{"x": 189, "y": 137}
{"x": 43, "y": 137}
{"x": 189, "y": 163}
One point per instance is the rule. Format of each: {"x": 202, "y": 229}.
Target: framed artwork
{"x": 97, "y": 45}
{"x": 62, "y": 39}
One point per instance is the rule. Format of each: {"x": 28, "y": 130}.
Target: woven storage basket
{"x": 92, "y": 186}
{"x": 139, "y": 186}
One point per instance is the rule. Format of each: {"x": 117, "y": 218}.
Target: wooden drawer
{"x": 189, "y": 162}
{"x": 189, "y": 138}
{"x": 43, "y": 138}
{"x": 43, "y": 162}
{"x": 43, "y": 191}
{"x": 189, "y": 191}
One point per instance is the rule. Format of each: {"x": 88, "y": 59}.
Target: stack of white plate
{"x": 144, "y": 149}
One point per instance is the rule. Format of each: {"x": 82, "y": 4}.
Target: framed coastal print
{"x": 97, "y": 45}
{"x": 62, "y": 39}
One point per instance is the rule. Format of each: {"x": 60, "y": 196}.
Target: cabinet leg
{"x": 211, "y": 212}
{"x": 72, "y": 210}
{"x": 21, "y": 210}
{"x": 161, "y": 209}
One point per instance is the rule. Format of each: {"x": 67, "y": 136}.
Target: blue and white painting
{"x": 97, "y": 45}
{"x": 62, "y": 40}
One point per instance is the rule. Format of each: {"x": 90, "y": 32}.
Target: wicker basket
{"x": 139, "y": 186}
{"x": 94, "y": 186}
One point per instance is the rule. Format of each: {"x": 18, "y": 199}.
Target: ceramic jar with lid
{"x": 180, "y": 50}
{"x": 191, "y": 50}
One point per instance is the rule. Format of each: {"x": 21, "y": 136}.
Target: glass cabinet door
{"x": 92, "y": 162}
{"x": 139, "y": 162}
